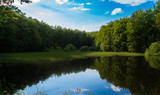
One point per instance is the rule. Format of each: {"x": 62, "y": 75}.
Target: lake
{"x": 88, "y": 76}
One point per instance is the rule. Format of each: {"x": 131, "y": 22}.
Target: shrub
{"x": 69, "y": 47}
{"x": 84, "y": 48}
{"x": 154, "y": 49}
{"x": 147, "y": 52}
{"x": 92, "y": 48}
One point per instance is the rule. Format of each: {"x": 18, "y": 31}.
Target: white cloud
{"x": 64, "y": 18}
{"x": 88, "y": 3}
{"x": 106, "y": 12}
{"x": 35, "y": 1}
{"x": 65, "y": 0}
{"x": 72, "y": 3}
{"x": 80, "y": 4}
{"x": 89, "y": 27}
{"x": 61, "y": 1}
{"x": 81, "y": 90}
{"x": 102, "y": 0}
{"x": 69, "y": 3}
{"x": 132, "y": 2}
{"x": 116, "y": 11}
{"x": 18, "y": 3}
{"x": 114, "y": 88}
{"x": 80, "y": 8}
{"x": 106, "y": 87}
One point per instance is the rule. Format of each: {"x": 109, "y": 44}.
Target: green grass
{"x": 59, "y": 55}
{"x": 99, "y": 54}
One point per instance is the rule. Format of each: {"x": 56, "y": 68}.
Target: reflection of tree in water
{"x": 16, "y": 76}
{"x": 154, "y": 61}
{"x": 10, "y": 2}
{"x": 132, "y": 73}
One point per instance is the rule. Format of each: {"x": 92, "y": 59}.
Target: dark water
{"x": 100, "y": 76}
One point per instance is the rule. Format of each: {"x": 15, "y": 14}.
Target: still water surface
{"x": 100, "y": 76}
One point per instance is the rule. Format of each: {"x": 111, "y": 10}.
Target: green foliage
{"x": 147, "y": 52}
{"x": 154, "y": 61}
{"x": 69, "y": 48}
{"x": 92, "y": 48}
{"x": 133, "y": 34}
{"x": 21, "y": 34}
{"x": 105, "y": 47}
{"x": 157, "y": 21}
{"x": 84, "y": 48}
{"x": 154, "y": 49}
{"x": 59, "y": 48}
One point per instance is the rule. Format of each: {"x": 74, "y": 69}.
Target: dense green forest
{"x": 19, "y": 33}
{"x": 133, "y": 34}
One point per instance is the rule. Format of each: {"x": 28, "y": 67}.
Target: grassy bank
{"x": 99, "y": 54}
{"x": 59, "y": 55}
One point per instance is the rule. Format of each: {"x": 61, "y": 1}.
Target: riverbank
{"x": 58, "y": 55}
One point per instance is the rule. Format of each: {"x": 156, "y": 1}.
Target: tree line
{"x": 21, "y": 34}
{"x": 136, "y": 33}
{"x": 133, "y": 34}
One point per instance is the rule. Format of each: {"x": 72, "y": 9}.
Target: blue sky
{"x": 86, "y": 15}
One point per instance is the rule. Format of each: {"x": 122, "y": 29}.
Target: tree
{"x": 21, "y": 34}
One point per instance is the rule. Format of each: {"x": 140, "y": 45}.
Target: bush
{"x": 147, "y": 52}
{"x": 84, "y": 48}
{"x": 154, "y": 49}
{"x": 92, "y": 48}
{"x": 69, "y": 47}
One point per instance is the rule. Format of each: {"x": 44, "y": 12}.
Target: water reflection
{"x": 101, "y": 76}
{"x": 154, "y": 61}
{"x": 15, "y": 76}
{"x": 131, "y": 73}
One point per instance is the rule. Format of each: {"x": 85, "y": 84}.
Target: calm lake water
{"x": 100, "y": 76}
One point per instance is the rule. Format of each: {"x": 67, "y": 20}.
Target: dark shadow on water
{"x": 16, "y": 76}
